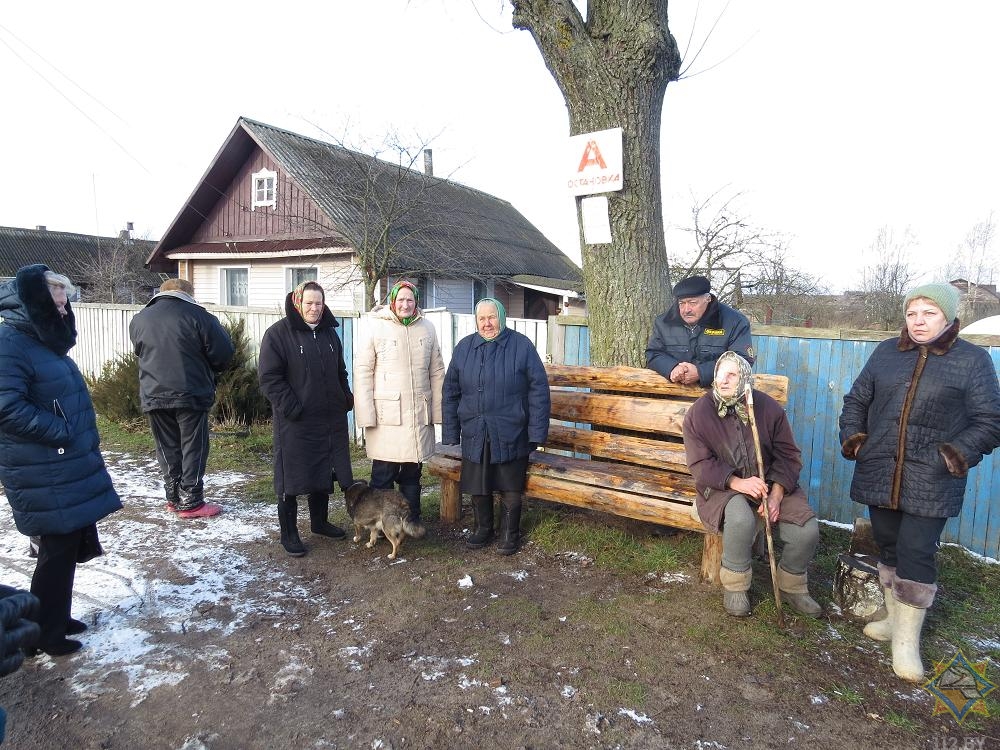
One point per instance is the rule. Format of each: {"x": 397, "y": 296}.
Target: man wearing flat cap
{"x": 689, "y": 337}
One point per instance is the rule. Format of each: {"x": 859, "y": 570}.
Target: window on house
{"x": 264, "y": 186}
{"x": 295, "y": 276}
{"x": 479, "y": 290}
{"x": 235, "y": 286}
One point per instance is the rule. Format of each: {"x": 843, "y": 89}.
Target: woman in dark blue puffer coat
{"x": 50, "y": 459}
{"x": 496, "y": 402}
{"x": 923, "y": 411}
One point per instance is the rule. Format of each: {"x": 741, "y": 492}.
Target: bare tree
{"x": 975, "y": 261}
{"x": 385, "y": 195}
{"x": 613, "y": 68}
{"x": 887, "y": 278}
{"x": 114, "y": 272}
{"x": 779, "y": 293}
{"x": 747, "y": 264}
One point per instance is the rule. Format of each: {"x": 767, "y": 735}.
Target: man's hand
{"x": 751, "y": 487}
{"x": 685, "y": 373}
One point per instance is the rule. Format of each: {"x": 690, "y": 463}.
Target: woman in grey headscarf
{"x": 496, "y": 403}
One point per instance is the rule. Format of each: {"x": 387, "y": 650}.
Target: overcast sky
{"x": 831, "y": 119}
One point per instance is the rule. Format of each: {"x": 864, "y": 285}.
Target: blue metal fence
{"x": 820, "y": 371}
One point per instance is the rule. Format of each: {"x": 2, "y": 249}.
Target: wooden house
{"x": 275, "y": 208}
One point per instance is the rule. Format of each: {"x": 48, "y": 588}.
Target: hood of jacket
{"x": 26, "y": 304}
{"x": 175, "y": 294}
{"x": 298, "y": 323}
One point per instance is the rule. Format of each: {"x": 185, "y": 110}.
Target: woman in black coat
{"x": 50, "y": 456}
{"x": 925, "y": 408}
{"x": 496, "y": 403}
{"x": 303, "y": 374}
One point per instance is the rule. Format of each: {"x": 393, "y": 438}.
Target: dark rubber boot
{"x": 288, "y": 511}
{"x": 510, "y": 534}
{"x": 412, "y": 494}
{"x": 482, "y": 509}
{"x": 319, "y": 514}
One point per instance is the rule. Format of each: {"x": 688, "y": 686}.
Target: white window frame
{"x": 289, "y": 286}
{"x": 224, "y": 285}
{"x": 270, "y": 198}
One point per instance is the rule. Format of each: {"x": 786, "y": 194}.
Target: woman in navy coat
{"x": 496, "y": 403}
{"x": 50, "y": 459}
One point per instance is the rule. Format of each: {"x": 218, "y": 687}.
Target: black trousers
{"x": 384, "y": 473}
{"x": 181, "y": 437}
{"x": 907, "y": 543}
{"x": 52, "y": 583}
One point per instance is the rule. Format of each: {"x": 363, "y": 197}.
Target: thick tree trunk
{"x": 613, "y": 70}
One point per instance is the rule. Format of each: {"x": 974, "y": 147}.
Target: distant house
{"x": 978, "y": 300}
{"x": 90, "y": 261}
{"x": 275, "y": 208}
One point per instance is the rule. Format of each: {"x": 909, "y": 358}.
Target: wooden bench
{"x": 615, "y": 445}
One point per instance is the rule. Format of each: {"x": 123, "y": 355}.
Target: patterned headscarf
{"x": 501, "y": 315}
{"x": 738, "y": 401}
{"x": 392, "y": 299}
{"x": 300, "y": 290}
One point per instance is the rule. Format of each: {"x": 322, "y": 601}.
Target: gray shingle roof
{"x": 63, "y": 252}
{"x": 447, "y": 228}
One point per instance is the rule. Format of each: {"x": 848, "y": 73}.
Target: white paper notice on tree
{"x": 596, "y": 223}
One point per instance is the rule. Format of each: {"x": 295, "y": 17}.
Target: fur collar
{"x": 939, "y": 346}
{"x": 45, "y": 323}
{"x": 299, "y": 324}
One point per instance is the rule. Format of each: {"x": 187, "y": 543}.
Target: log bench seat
{"x": 615, "y": 446}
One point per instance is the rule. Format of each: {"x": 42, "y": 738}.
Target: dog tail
{"x": 414, "y": 529}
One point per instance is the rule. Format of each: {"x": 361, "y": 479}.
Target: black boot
{"x": 288, "y": 510}
{"x": 510, "y": 534}
{"x": 319, "y": 514}
{"x": 482, "y": 508}
{"x": 412, "y": 494}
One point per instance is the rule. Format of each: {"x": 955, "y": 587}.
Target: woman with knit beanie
{"x": 923, "y": 411}
{"x": 496, "y": 403}
{"x": 398, "y": 374}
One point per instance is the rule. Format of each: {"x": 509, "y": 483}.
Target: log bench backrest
{"x": 631, "y": 414}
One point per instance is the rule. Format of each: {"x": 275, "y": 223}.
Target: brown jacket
{"x": 720, "y": 448}
{"x": 398, "y": 374}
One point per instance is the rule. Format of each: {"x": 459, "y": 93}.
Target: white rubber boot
{"x": 881, "y": 630}
{"x": 908, "y": 622}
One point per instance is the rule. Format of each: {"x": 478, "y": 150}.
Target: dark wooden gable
{"x": 233, "y": 217}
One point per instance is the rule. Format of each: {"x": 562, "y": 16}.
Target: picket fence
{"x": 821, "y": 366}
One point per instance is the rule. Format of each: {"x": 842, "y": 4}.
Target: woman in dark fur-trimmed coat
{"x": 925, "y": 408}
{"x": 50, "y": 458}
{"x": 303, "y": 374}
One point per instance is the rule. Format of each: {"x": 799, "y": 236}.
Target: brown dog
{"x": 381, "y": 510}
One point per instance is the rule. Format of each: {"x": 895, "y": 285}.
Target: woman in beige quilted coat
{"x": 398, "y": 374}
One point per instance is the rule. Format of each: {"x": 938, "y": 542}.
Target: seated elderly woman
{"x": 720, "y": 454}
{"x": 496, "y": 402}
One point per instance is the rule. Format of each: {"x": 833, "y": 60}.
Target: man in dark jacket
{"x": 181, "y": 348}
{"x": 689, "y": 337}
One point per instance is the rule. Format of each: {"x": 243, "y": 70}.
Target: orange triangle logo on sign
{"x": 591, "y": 157}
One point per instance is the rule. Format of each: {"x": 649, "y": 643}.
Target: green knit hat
{"x": 943, "y": 295}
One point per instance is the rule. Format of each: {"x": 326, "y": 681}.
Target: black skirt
{"x": 485, "y": 478}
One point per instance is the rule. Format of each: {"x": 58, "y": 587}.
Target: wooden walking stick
{"x": 767, "y": 511}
